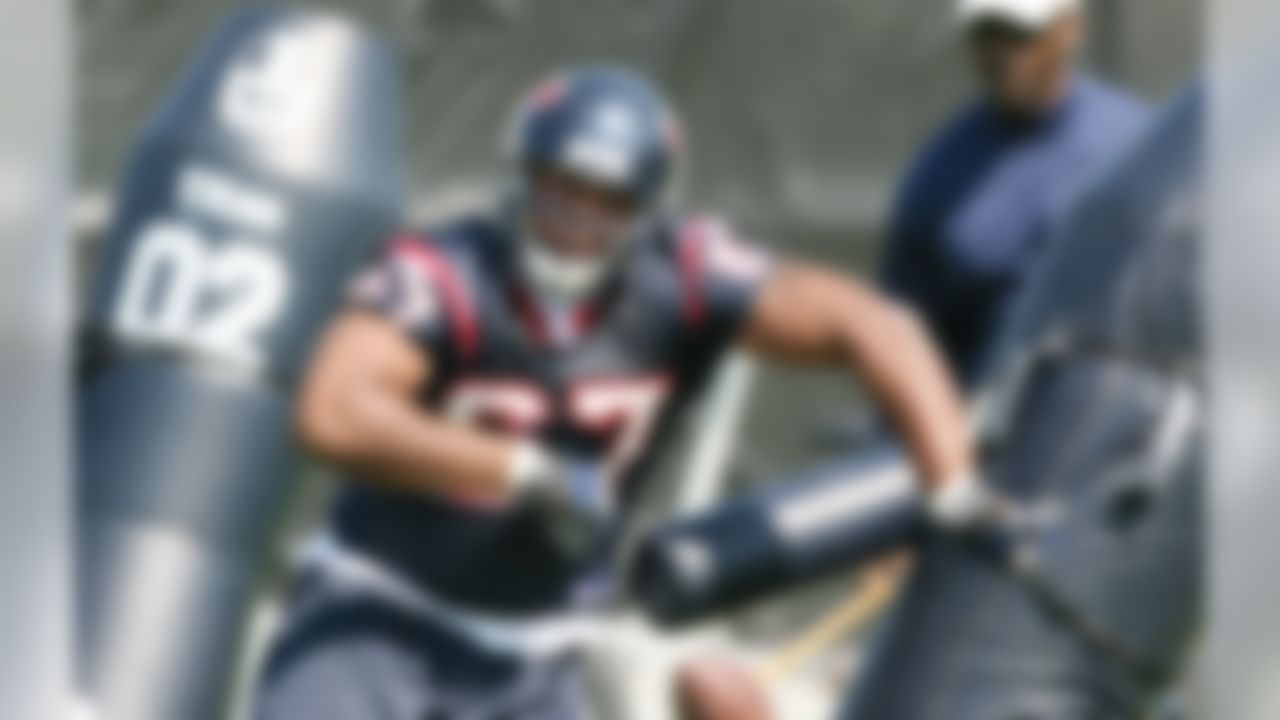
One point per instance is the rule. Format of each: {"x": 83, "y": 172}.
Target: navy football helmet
{"x": 602, "y": 127}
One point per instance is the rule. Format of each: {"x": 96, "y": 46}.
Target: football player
{"x": 497, "y": 389}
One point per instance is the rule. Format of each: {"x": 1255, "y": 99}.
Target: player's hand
{"x": 966, "y": 505}
{"x": 572, "y": 496}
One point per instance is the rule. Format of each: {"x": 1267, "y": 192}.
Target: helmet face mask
{"x": 593, "y": 148}
{"x": 577, "y": 219}
{"x": 575, "y": 233}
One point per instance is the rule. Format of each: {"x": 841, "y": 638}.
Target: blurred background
{"x": 801, "y": 118}
{"x": 801, "y": 115}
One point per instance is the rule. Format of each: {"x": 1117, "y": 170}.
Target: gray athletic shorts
{"x": 346, "y": 655}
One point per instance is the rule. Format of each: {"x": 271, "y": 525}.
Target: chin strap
{"x": 561, "y": 278}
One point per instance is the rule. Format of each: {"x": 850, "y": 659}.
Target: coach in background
{"x": 980, "y": 201}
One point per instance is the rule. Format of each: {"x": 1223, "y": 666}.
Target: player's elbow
{"x": 885, "y": 336}
{"x": 905, "y": 324}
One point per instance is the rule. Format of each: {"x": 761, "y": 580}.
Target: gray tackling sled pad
{"x": 268, "y": 174}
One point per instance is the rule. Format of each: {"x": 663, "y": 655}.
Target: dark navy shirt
{"x": 977, "y": 206}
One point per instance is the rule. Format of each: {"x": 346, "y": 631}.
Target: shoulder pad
{"x": 442, "y": 260}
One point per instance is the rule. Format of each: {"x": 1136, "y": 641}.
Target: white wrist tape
{"x": 961, "y": 502}
{"x": 529, "y": 468}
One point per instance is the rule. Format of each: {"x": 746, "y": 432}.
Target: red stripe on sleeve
{"x": 437, "y": 267}
{"x": 692, "y": 268}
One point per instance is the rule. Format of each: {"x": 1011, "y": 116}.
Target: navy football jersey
{"x": 601, "y": 382}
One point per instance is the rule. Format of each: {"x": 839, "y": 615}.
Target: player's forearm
{"x": 424, "y": 452}
{"x": 810, "y": 315}
{"x": 358, "y": 409}
{"x": 382, "y": 439}
{"x": 904, "y": 371}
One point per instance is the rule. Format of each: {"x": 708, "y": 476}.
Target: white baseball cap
{"x": 1030, "y": 14}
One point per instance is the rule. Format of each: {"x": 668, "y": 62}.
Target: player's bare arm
{"x": 810, "y": 315}
{"x": 358, "y": 409}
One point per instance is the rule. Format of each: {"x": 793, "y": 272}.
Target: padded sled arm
{"x": 829, "y": 519}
